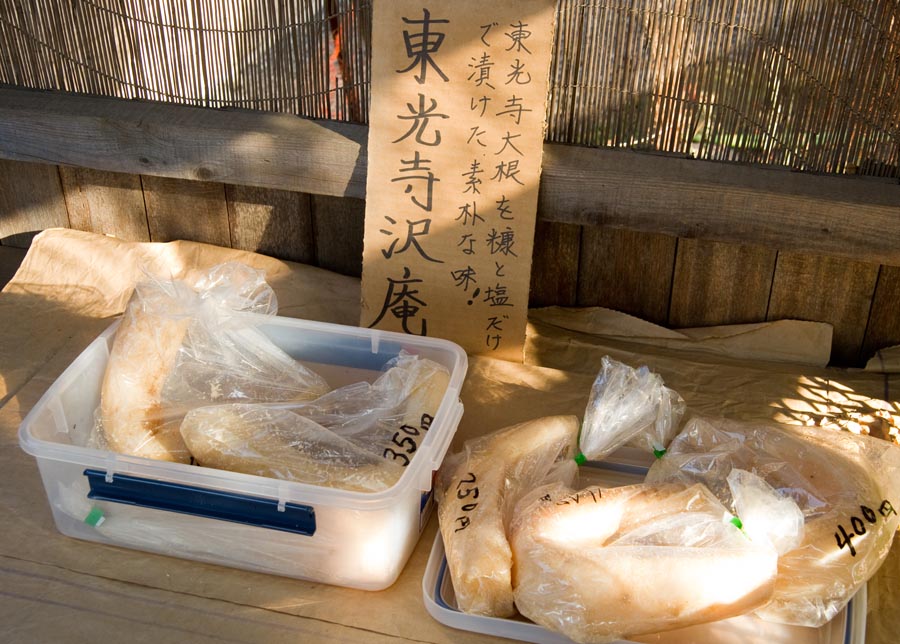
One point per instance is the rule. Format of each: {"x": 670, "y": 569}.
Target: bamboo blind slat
{"x": 809, "y": 84}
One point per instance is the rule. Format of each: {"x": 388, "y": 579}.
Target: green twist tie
{"x": 659, "y": 453}
{"x": 737, "y": 523}
{"x": 95, "y": 517}
{"x": 580, "y": 458}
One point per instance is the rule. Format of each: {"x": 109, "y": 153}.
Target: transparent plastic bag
{"x": 477, "y": 491}
{"x": 278, "y": 443}
{"x": 845, "y": 485}
{"x": 602, "y": 564}
{"x": 180, "y": 346}
{"x": 358, "y": 437}
{"x": 767, "y": 516}
{"x": 628, "y": 406}
{"x": 388, "y": 417}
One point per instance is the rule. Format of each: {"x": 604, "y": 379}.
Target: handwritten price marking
{"x": 844, "y": 538}
{"x": 467, "y": 489}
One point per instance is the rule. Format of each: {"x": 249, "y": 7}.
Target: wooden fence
{"x": 806, "y": 84}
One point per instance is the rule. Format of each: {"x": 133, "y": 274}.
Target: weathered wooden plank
{"x": 627, "y": 271}
{"x": 883, "y": 328}
{"x": 826, "y": 289}
{"x": 109, "y": 203}
{"x": 143, "y": 137}
{"x": 720, "y": 283}
{"x": 277, "y": 223}
{"x": 554, "y": 264}
{"x": 31, "y": 199}
{"x": 846, "y": 216}
{"x": 676, "y": 196}
{"x": 191, "y": 210}
{"x": 339, "y": 227}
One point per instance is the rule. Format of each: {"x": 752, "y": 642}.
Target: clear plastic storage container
{"x": 347, "y": 538}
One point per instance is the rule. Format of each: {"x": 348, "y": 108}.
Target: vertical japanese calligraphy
{"x": 456, "y": 131}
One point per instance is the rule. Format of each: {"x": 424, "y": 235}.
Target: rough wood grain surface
{"x": 277, "y": 223}
{"x": 883, "y": 328}
{"x": 837, "y": 215}
{"x": 706, "y": 282}
{"x": 554, "y": 264}
{"x": 719, "y": 283}
{"x": 192, "y": 210}
{"x": 339, "y": 225}
{"x": 826, "y": 289}
{"x": 31, "y": 200}
{"x": 109, "y": 203}
{"x": 143, "y": 137}
{"x": 627, "y": 271}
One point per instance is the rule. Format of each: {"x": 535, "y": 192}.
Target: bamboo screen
{"x": 809, "y": 84}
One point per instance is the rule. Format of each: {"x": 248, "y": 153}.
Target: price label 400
{"x": 859, "y": 524}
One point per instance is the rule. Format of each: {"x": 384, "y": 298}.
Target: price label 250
{"x": 466, "y": 490}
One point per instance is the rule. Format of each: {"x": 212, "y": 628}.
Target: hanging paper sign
{"x": 456, "y": 130}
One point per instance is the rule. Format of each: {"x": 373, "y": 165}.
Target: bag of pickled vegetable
{"x": 846, "y": 485}
{"x": 477, "y": 490}
{"x": 601, "y": 564}
{"x": 181, "y": 346}
{"x": 358, "y": 437}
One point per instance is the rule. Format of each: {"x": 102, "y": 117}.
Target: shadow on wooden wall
{"x": 672, "y": 281}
